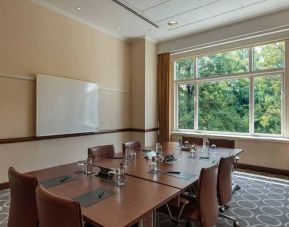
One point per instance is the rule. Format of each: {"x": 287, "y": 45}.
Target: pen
{"x": 101, "y": 194}
{"x": 175, "y": 172}
{"x": 64, "y": 179}
{"x": 204, "y": 157}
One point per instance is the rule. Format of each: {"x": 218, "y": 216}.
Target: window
{"x": 238, "y": 91}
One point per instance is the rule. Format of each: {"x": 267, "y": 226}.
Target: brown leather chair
{"x": 193, "y": 140}
{"x": 226, "y": 144}
{"x": 132, "y": 145}
{"x": 205, "y": 208}
{"x": 104, "y": 151}
{"x": 223, "y": 143}
{"x": 54, "y": 211}
{"x": 23, "y": 208}
{"x": 224, "y": 186}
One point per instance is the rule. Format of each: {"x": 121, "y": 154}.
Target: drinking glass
{"x": 128, "y": 154}
{"x": 159, "y": 149}
{"x": 155, "y": 164}
{"x": 82, "y": 167}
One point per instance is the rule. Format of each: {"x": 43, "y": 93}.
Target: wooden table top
{"x": 140, "y": 167}
{"x": 130, "y": 203}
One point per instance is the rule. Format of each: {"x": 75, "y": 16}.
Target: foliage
{"x": 185, "y": 69}
{"x": 186, "y": 106}
{"x": 236, "y": 61}
{"x": 224, "y": 105}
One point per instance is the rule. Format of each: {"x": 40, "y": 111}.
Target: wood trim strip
{"x": 34, "y": 138}
{"x": 4, "y": 185}
{"x": 264, "y": 169}
{"x": 144, "y": 130}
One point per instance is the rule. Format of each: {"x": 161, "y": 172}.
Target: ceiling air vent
{"x": 135, "y": 13}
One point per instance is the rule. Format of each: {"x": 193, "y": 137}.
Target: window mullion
{"x": 251, "y": 106}
{"x": 176, "y": 101}
{"x": 196, "y": 98}
{"x": 251, "y": 93}
{"x": 196, "y": 112}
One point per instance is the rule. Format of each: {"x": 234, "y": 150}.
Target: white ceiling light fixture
{"x": 172, "y": 23}
{"x": 78, "y": 8}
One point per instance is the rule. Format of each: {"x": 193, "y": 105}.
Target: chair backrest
{"x": 23, "y": 208}
{"x": 132, "y": 145}
{"x": 104, "y": 151}
{"x": 207, "y": 196}
{"x": 193, "y": 140}
{"x": 54, "y": 211}
{"x": 223, "y": 143}
{"x": 224, "y": 185}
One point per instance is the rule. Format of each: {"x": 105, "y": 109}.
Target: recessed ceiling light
{"x": 172, "y": 23}
{"x": 78, "y": 8}
{"x": 118, "y": 28}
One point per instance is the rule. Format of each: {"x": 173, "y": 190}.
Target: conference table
{"x": 143, "y": 192}
{"x": 139, "y": 167}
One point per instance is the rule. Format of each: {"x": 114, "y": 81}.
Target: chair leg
{"x": 235, "y": 187}
{"x": 236, "y": 223}
{"x": 178, "y": 218}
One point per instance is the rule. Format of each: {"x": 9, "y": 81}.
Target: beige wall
{"x": 137, "y": 59}
{"x": 150, "y": 85}
{"x": 144, "y": 90}
{"x": 35, "y": 40}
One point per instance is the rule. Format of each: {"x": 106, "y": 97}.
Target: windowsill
{"x": 229, "y": 136}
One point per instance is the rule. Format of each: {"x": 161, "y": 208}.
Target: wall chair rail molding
{"x": 34, "y": 138}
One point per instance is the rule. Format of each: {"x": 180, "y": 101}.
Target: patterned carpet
{"x": 261, "y": 202}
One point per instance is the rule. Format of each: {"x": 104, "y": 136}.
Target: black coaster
{"x": 95, "y": 196}
{"x": 57, "y": 181}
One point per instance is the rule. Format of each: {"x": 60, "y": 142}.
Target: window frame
{"x": 250, "y": 75}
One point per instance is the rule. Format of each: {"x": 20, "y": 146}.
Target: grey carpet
{"x": 261, "y": 202}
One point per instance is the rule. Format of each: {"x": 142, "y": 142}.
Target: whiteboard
{"x": 65, "y": 106}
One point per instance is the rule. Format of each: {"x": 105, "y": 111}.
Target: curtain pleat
{"x": 164, "y": 90}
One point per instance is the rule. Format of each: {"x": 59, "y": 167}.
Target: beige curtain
{"x": 164, "y": 90}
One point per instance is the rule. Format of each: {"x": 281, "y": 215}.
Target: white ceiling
{"x": 192, "y": 15}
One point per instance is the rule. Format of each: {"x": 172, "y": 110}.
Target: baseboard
{"x": 4, "y": 185}
{"x": 264, "y": 169}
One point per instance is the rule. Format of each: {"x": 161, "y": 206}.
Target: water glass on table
{"x": 159, "y": 150}
{"x": 129, "y": 155}
{"x": 155, "y": 164}
{"x": 118, "y": 175}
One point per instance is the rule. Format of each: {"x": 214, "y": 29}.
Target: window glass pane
{"x": 185, "y": 69}
{"x": 267, "y": 99}
{"x": 186, "y": 106}
{"x": 235, "y": 61}
{"x": 224, "y": 106}
{"x": 270, "y": 56}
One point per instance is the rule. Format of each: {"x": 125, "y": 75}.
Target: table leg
{"x": 154, "y": 218}
{"x": 140, "y": 223}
